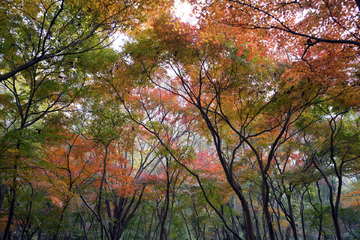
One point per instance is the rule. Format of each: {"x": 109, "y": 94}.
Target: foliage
{"x": 243, "y": 124}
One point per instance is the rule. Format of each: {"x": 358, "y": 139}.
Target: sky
{"x": 182, "y": 9}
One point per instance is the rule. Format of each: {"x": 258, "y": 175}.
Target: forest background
{"x": 241, "y": 124}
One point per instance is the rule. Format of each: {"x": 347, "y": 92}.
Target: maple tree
{"x": 318, "y": 32}
{"x": 231, "y": 98}
{"x": 242, "y": 124}
{"x": 49, "y": 49}
{"x": 34, "y": 103}
{"x": 44, "y": 32}
{"x": 341, "y": 150}
{"x": 191, "y": 90}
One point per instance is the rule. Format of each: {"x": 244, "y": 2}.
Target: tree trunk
{"x": 39, "y": 234}
{"x": 265, "y": 198}
{"x": 7, "y": 231}
{"x": 2, "y": 195}
{"x": 291, "y": 216}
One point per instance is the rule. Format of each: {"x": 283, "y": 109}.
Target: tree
{"x": 242, "y": 125}
{"x": 338, "y": 151}
{"x": 244, "y": 106}
{"x": 41, "y": 34}
{"x": 192, "y": 87}
{"x": 33, "y": 106}
{"x": 315, "y": 21}
{"x": 314, "y": 37}
{"x": 49, "y": 51}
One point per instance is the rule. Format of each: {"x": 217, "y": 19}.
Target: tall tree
{"x": 241, "y": 102}
{"x": 47, "y": 32}
{"x": 49, "y": 51}
{"x": 315, "y": 37}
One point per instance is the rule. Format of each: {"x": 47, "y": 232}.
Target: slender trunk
{"x": 321, "y": 214}
{"x": 223, "y": 232}
{"x": 164, "y": 212}
{"x": 255, "y": 215}
{"x": 338, "y": 172}
{"x": 150, "y": 225}
{"x": 291, "y": 216}
{"x": 61, "y": 219}
{"x": 39, "y": 234}
{"x": 83, "y": 225}
{"x": 165, "y": 209}
{"x": 111, "y": 226}
{"x": 13, "y": 197}
{"x": 302, "y": 215}
{"x": 334, "y": 207}
{"x": 187, "y": 227}
{"x": 277, "y": 216}
{"x": 265, "y": 198}
{"x": 334, "y": 214}
{"x": 100, "y": 194}
{"x": 171, "y": 213}
{"x": 28, "y": 214}
{"x": 2, "y": 195}
{"x": 263, "y": 225}
{"x": 127, "y": 216}
{"x": 245, "y": 206}
{"x": 12, "y": 210}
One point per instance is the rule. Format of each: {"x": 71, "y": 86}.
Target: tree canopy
{"x": 242, "y": 124}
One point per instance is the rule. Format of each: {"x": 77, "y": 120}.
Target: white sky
{"x": 182, "y": 9}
